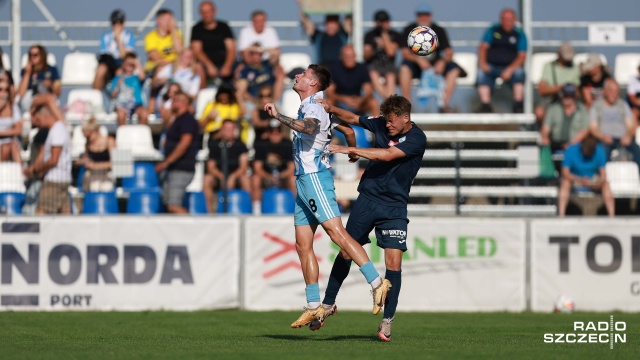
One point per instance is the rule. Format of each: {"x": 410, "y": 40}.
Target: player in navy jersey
{"x": 384, "y": 193}
{"x": 316, "y": 199}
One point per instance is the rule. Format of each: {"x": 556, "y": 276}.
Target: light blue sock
{"x": 369, "y": 271}
{"x": 313, "y": 293}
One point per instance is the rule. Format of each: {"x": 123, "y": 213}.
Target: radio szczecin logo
{"x": 600, "y": 332}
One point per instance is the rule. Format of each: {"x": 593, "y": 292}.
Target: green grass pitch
{"x": 266, "y": 335}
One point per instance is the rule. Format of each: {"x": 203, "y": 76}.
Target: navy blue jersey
{"x": 389, "y": 182}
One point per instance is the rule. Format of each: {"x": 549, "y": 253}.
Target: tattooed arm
{"x": 307, "y": 125}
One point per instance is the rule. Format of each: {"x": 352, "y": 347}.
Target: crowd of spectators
{"x": 578, "y": 102}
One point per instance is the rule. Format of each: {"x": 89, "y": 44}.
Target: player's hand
{"x": 325, "y": 104}
{"x": 271, "y": 109}
{"x": 338, "y": 149}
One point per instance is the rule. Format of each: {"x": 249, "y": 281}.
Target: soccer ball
{"x": 422, "y": 41}
{"x": 564, "y": 304}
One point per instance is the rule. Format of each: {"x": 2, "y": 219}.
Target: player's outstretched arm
{"x": 307, "y": 125}
{"x": 344, "y": 115}
{"x": 376, "y": 154}
{"x": 350, "y": 137}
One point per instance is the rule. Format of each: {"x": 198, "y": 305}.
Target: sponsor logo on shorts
{"x": 398, "y": 234}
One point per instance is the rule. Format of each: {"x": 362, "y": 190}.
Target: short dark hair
{"x": 258, "y": 12}
{"x": 323, "y": 75}
{"x": 129, "y": 55}
{"x": 588, "y": 145}
{"x": 395, "y": 104}
{"x": 163, "y": 11}
{"x": 182, "y": 93}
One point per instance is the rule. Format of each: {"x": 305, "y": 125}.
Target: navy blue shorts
{"x": 390, "y": 223}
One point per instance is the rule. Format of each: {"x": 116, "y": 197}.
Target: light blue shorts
{"x": 316, "y": 200}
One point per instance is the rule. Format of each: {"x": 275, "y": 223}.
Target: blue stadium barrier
{"x": 195, "y": 202}
{"x": 144, "y": 177}
{"x": 11, "y": 203}
{"x": 278, "y": 202}
{"x": 238, "y": 202}
{"x": 100, "y": 203}
{"x": 144, "y": 202}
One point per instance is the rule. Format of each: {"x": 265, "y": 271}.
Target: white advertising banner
{"x": 119, "y": 263}
{"x": 594, "y": 261}
{"x": 451, "y": 265}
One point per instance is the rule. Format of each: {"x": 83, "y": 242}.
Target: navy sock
{"x": 339, "y": 272}
{"x": 395, "y": 277}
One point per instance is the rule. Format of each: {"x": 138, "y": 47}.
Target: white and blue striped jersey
{"x": 108, "y": 43}
{"x": 309, "y": 151}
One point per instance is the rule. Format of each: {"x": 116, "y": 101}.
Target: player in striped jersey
{"x": 316, "y": 199}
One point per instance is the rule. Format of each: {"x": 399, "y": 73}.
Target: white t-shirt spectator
{"x": 634, "y": 86}
{"x": 188, "y": 80}
{"x": 268, "y": 38}
{"x": 58, "y": 136}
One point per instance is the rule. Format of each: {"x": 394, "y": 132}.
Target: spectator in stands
{"x": 501, "y": 54}
{"x": 327, "y": 42}
{"x": 259, "y": 33}
{"x": 38, "y": 77}
{"x": 183, "y": 71}
{"x": 273, "y": 164}
{"x": 441, "y": 60}
{"x": 256, "y": 73}
{"x": 261, "y": 119}
{"x": 165, "y": 106}
{"x": 583, "y": 168}
{"x": 54, "y": 159}
{"x": 126, "y": 90}
{"x": 612, "y": 123}
{"x": 566, "y": 122}
{"x": 10, "y": 125}
{"x": 224, "y": 107}
{"x": 114, "y": 45}
{"x": 213, "y": 44}
{"x": 633, "y": 92}
{"x": 592, "y": 81}
{"x": 96, "y": 158}
{"x": 380, "y": 47}
{"x": 351, "y": 88}
{"x": 180, "y": 149}
{"x": 227, "y": 149}
{"x": 34, "y": 179}
{"x": 555, "y": 75}
{"x": 162, "y": 46}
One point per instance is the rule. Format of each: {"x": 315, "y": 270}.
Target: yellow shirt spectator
{"x": 224, "y": 112}
{"x": 163, "y": 45}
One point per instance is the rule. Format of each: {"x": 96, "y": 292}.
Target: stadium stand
{"x": 626, "y": 67}
{"x": 79, "y": 69}
{"x": 6, "y": 61}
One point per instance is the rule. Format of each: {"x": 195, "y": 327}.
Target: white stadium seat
{"x": 538, "y": 61}
{"x": 290, "y": 61}
{"x": 623, "y": 177}
{"x": 11, "y": 177}
{"x": 204, "y": 97}
{"x": 79, "y": 69}
{"x": 469, "y": 62}
{"x": 6, "y": 61}
{"x": 137, "y": 139}
{"x": 290, "y": 103}
{"x": 51, "y": 59}
{"x": 580, "y": 58}
{"x": 198, "y": 178}
{"x": 92, "y": 97}
{"x": 626, "y": 67}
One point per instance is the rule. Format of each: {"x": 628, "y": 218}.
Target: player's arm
{"x": 350, "y": 137}
{"x": 306, "y": 126}
{"x": 344, "y": 115}
{"x": 377, "y": 154}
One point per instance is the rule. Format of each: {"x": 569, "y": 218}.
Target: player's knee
{"x": 344, "y": 255}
